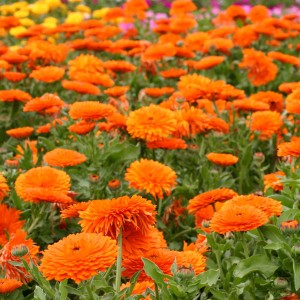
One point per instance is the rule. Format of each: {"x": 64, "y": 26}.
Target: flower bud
{"x": 19, "y": 251}
{"x": 280, "y": 282}
{"x": 259, "y": 157}
{"x": 290, "y": 226}
{"x": 114, "y": 184}
{"x": 296, "y": 249}
{"x": 94, "y": 178}
{"x": 185, "y": 273}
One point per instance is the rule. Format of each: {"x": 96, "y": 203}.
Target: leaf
{"x": 154, "y": 271}
{"x": 257, "y": 263}
{"x": 62, "y": 290}
{"x": 39, "y": 293}
{"x": 209, "y": 277}
{"x": 274, "y": 246}
{"x": 133, "y": 281}
{"x": 296, "y": 268}
{"x": 272, "y": 233}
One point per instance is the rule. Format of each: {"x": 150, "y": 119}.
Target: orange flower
{"x": 180, "y": 7}
{"x": 140, "y": 287}
{"x": 14, "y": 76}
{"x": 222, "y": 159}
{"x": 151, "y": 123}
{"x": 170, "y": 143}
{"x": 114, "y": 184}
{"x": 285, "y": 58}
{"x": 9, "y": 222}
{"x": 82, "y": 127}
{"x": 158, "y": 92}
{"x": 237, "y": 218}
{"x": 6, "y": 257}
{"x": 48, "y": 74}
{"x": 182, "y": 23}
{"x": 85, "y": 64}
{"x": 96, "y": 78}
{"x": 275, "y": 100}
{"x": 292, "y": 102}
{"x": 153, "y": 177}
{"x": 109, "y": 216}
{"x": 192, "y": 260}
{"x": 220, "y": 44}
{"x": 245, "y": 36}
{"x": 172, "y": 73}
{"x": 9, "y": 285}
{"x": 266, "y": 123}
{"x": 289, "y": 225}
{"x": 119, "y": 66}
{"x": 81, "y": 87}
{"x": 60, "y": 157}
{"x": 14, "y": 58}
{"x": 258, "y": 13}
{"x": 163, "y": 258}
{"x": 261, "y": 69}
{"x": 43, "y": 184}
{"x": 159, "y": 51}
{"x": 210, "y": 197}
{"x": 195, "y": 41}
{"x": 273, "y": 181}
{"x": 199, "y": 246}
{"x": 116, "y": 91}
{"x": 208, "y": 62}
{"x": 14, "y": 95}
{"x": 4, "y": 189}
{"x": 78, "y": 257}
{"x": 250, "y": 105}
{"x": 288, "y": 87}
{"x": 236, "y": 12}
{"x": 269, "y": 206}
{"x": 90, "y": 110}
{"x": 72, "y": 211}
{"x": 45, "y": 104}
{"x": 21, "y": 132}
{"x": 289, "y": 149}
{"x": 135, "y": 243}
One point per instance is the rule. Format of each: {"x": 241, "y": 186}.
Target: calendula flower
{"x": 14, "y": 76}
{"x": 208, "y": 62}
{"x": 109, "y": 216}
{"x": 60, "y": 157}
{"x": 289, "y": 148}
{"x": 82, "y": 127}
{"x": 140, "y": 287}
{"x": 78, "y": 257}
{"x": 72, "y": 211}
{"x": 191, "y": 259}
{"x": 81, "y": 87}
{"x": 9, "y": 285}
{"x": 90, "y": 110}
{"x": 151, "y": 123}
{"x": 222, "y": 159}
{"x": 119, "y": 66}
{"x": 116, "y": 91}
{"x": 48, "y": 104}
{"x": 170, "y": 143}
{"x": 237, "y": 218}
{"x": 14, "y": 95}
{"x": 136, "y": 243}
{"x": 44, "y": 184}
{"x": 158, "y": 51}
{"x": 10, "y": 222}
{"x": 266, "y": 123}
{"x": 21, "y": 132}
{"x": 163, "y": 258}
{"x": 4, "y": 188}
{"x": 179, "y": 7}
{"x": 151, "y": 176}
{"x": 273, "y": 181}
{"x": 48, "y": 74}
{"x": 210, "y": 197}
{"x": 269, "y": 206}
{"x": 158, "y": 92}
{"x": 6, "y": 256}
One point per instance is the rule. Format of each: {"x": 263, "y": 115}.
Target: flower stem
{"x": 156, "y": 291}
{"x": 119, "y": 262}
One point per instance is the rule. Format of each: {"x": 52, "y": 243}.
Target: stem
{"x": 159, "y": 207}
{"x": 245, "y": 246}
{"x": 36, "y": 220}
{"x": 218, "y": 258}
{"x": 183, "y": 232}
{"x": 119, "y": 262}
{"x": 156, "y": 291}
{"x": 90, "y": 292}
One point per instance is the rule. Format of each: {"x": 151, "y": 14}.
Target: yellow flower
{"x": 74, "y": 1}
{"x": 19, "y": 5}
{"x": 14, "y": 48}
{"x": 50, "y": 22}
{"x": 74, "y": 18}
{"x": 100, "y": 13}
{"x": 17, "y": 30}
{"x": 83, "y": 8}
{"x": 40, "y": 8}
{"x": 27, "y": 22}
{"x": 53, "y": 3}
{"x": 23, "y": 13}
{"x": 7, "y": 9}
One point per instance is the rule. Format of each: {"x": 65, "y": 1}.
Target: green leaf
{"x": 133, "y": 281}
{"x": 257, "y": 263}
{"x": 39, "y": 293}
{"x": 296, "y": 268}
{"x": 209, "y": 277}
{"x": 62, "y": 290}
{"x": 272, "y": 233}
{"x": 154, "y": 271}
{"x": 274, "y": 246}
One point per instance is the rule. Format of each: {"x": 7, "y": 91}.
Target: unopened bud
{"x": 296, "y": 249}
{"x": 280, "y": 282}
{"x": 259, "y": 157}
{"x": 290, "y": 226}
{"x": 19, "y": 251}
{"x": 114, "y": 184}
{"x": 94, "y": 178}
{"x": 185, "y": 273}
